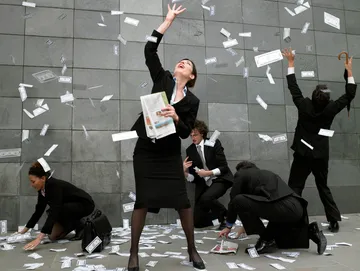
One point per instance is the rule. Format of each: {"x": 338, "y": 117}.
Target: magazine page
{"x": 157, "y": 124}
{"x": 149, "y": 128}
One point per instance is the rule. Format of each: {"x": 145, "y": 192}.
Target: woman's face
{"x": 196, "y": 137}
{"x": 185, "y": 69}
{"x": 36, "y": 182}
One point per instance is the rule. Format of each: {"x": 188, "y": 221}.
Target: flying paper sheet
{"x": 65, "y": 79}
{"x": 269, "y": 76}
{"x": 23, "y": 94}
{"x": 307, "y": 144}
{"x": 120, "y": 38}
{"x": 324, "y": 132}
{"x": 332, "y": 20}
{"x": 268, "y": 58}
{"x": 305, "y": 28}
{"x": 289, "y": 11}
{"x": 240, "y": 61}
{"x": 44, "y": 164}
{"x": 68, "y": 97}
{"x": 246, "y": 72}
{"x": 205, "y": 7}
{"x": 212, "y": 10}
{"x": 151, "y": 38}
{"x": 286, "y": 35}
{"x": 302, "y": 8}
{"x": 117, "y": 12}
{"x": 45, "y": 76}
{"x": 307, "y": 74}
{"x": 9, "y": 153}
{"x": 25, "y": 135}
{"x": 40, "y": 110}
{"x": 246, "y": 34}
{"x": 106, "y": 98}
{"x": 261, "y": 102}
{"x": 29, "y": 4}
{"x": 225, "y": 32}
{"x": 211, "y": 60}
{"x": 131, "y": 21}
{"x": 52, "y": 148}
{"x": 230, "y": 43}
{"x": 39, "y": 102}
{"x": 124, "y": 136}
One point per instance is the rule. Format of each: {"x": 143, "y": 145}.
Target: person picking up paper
{"x": 258, "y": 193}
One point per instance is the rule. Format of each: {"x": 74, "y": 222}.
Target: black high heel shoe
{"x": 197, "y": 265}
{"x": 136, "y": 268}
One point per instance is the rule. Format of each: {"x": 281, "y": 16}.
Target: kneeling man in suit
{"x": 259, "y": 194}
{"x": 206, "y": 166}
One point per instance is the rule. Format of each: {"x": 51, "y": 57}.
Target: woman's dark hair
{"x": 201, "y": 127}
{"x": 191, "y": 83}
{"x": 37, "y": 170}
{"x": 245, "y": 165}
{"x": 320, "y": 97}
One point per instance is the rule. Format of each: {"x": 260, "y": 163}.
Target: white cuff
{"x": 291, "y": 70}
{"x": 216, "y": 172}
{"x": 190, "y": 178}
{"x": 351, "y": 80}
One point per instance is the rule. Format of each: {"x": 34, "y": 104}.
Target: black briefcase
{"x": 96, "y": 224}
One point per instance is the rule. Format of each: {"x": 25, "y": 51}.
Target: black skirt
{"x": 159, "y": 175}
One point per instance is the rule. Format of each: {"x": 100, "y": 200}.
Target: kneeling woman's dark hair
{"x": 320, "y": 97}
{"x": 37, "y": 170}
{"x": 191, "y": 83}
{"x": 245, "y": 165}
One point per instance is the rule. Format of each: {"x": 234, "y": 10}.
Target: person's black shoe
{"x": 222, "y": 226}
{"x": 263, "y": 246}
{"x": 135, "y": 268}
{"x": 334, "y": 226}
{"x": 317, "y": 237}
{"x": 197, "y": 264}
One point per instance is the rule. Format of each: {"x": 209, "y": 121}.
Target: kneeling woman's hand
{"x": 225, "y": 232}
{"x": 33, "y": 244}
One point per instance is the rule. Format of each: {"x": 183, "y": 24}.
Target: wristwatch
{"x": 229, "y": 227}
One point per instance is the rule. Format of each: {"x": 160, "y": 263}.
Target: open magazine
{"x": 156, "y": 125}
{"x": 225, "y": 247}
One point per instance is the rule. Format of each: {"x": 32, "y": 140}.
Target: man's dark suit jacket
{"x": 57, "y": 193}
{"x": 163, "y": 81}
{"x": 311, "y": 119}
{"x": 215, "y": 158}
{"x": 266, "y": 186}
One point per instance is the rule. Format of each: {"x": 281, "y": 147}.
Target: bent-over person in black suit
{"x": 315, "y": 114}
{"x": 68, "y": 204}
{"x": 212, "y": 180}
{"x": 259, "y": 194}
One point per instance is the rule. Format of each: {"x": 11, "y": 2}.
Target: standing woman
{"x": 68, "y": 204}
{"x": 159, "y": 176}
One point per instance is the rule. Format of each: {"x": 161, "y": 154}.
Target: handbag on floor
{"x": 96, "y": 225}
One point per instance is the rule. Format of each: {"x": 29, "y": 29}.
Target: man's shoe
{"x": 317, "y": 237}
{"x": 222, "y": 226}
{"x": 263, "y": 246}
{"x": 334, "y": 226}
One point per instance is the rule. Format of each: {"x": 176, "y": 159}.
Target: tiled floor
{"x": 343, "y": 258}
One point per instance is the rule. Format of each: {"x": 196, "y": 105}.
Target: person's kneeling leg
{"x": 57, "y": 232}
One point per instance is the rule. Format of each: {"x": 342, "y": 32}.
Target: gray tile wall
{"x": 228, "y": 101}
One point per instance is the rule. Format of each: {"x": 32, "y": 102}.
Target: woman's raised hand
{"x": 173, "y": 12}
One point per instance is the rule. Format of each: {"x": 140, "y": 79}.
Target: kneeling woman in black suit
{"x": 68, "y": 204}
{"x": 159, "y": 176}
